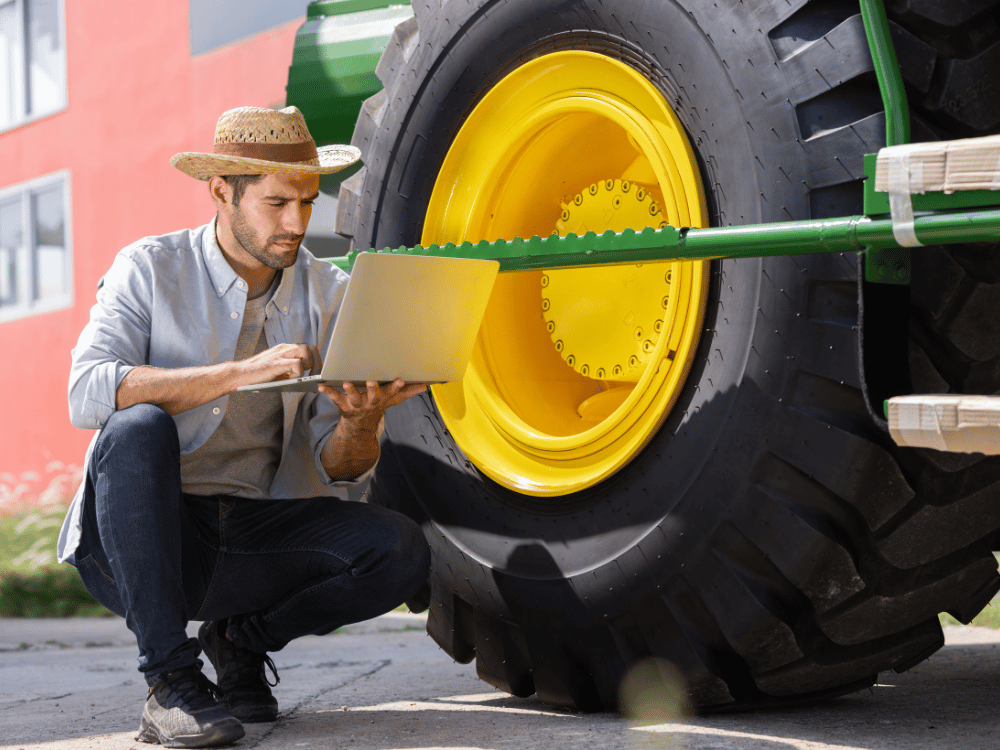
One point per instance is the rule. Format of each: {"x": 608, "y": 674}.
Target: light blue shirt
{"x": 174, "y": 301}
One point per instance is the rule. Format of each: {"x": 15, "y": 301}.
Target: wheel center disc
{"x": 602, "y": 336}
{"x": 574, "y": 370}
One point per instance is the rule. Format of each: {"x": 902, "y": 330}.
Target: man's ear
{"x": 221, "y": 192}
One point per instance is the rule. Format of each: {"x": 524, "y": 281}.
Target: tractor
{"x": 731, "y": 404}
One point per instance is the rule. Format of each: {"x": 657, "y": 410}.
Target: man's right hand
{"x": 281, "y": 362}
{"x": 186, "y": 388}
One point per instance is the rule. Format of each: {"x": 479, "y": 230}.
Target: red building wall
{"x": 136, "y": 96}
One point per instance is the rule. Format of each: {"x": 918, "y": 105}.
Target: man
{"x": 200, "y": 503}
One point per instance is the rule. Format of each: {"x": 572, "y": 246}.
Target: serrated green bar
{"x": 851, "y": 233}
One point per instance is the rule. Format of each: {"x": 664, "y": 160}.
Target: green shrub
{"x": 32, "y": 583}
{"x": 48, "y": 592}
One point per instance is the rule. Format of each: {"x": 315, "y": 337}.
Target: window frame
{"x": 25, "y": 118}
{"x": 27, "y": 253}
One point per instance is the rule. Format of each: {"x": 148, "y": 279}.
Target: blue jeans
{"x": 278, "y": 569}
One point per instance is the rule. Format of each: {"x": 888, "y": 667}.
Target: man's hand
{"x": 365, "y": 408}
{"x": 281, "y": 362}
{"x": 185, "y": 388}
{"x": 353, "y": 448}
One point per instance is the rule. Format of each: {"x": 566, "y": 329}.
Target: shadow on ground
{"x": 391, "y": 689}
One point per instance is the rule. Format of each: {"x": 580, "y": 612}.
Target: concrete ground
{"x": 384, "y": 685}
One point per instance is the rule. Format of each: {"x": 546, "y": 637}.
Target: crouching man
{"x": 234, "y": 509}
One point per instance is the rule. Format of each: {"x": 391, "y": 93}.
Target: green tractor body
{"x": 333, "y": 65}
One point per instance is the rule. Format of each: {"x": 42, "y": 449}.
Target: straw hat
{"x": 255, "y": 140}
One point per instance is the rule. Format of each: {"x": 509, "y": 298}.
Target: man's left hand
{"x": 364, "y": 408}
{"x": 353, "y": 448}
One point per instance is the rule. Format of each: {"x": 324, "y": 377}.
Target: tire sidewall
{"x": 707, "y": 446}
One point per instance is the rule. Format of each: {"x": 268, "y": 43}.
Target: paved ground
{"x": 385, "y": 686}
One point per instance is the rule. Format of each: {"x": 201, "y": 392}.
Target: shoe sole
{"x": 222, "y": 734}
{"x": 264, "y": 715}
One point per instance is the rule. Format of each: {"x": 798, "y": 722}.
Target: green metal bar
{"x": 847, "y": 234}
{"x": 887, "y": 266}
{"x": 890, "y": 80}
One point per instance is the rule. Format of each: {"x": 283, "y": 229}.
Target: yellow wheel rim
{"x": 567, "y": 142}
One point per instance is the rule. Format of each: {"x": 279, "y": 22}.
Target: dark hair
{"x": 240, "y": 182}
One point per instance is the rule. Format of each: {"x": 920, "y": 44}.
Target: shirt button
{"x": 216, "y": 410}
{"x": 221, "y": 290}
{"x": 284, "y": 309}
{"x": 234, "y": 316}
{"x": 240, "y": 284}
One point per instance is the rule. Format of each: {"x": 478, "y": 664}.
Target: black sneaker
{"x": 243, "y": 683}
{"x": 182, "y": 710}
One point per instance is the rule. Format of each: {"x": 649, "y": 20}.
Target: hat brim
{"x": 330, "y": 159}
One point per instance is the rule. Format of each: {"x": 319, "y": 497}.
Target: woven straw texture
{"x": 259, "y": 125}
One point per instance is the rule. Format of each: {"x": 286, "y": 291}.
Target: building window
{"x": 32, "y": 60}
{"x": 35, "y": 255}
{"x": 215, "y": 23}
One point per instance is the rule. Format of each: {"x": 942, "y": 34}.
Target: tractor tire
{"x": 766, "y": 538}
{"x": 948, "y": 59}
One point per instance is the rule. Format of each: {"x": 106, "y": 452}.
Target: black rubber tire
{"x": 955, "y": 329}
{"x": 760, "y": 542}
{"x": 949, "y": 55}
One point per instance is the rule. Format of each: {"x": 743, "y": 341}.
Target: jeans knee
{"x": 411, "y": 557}
{"x": 142, "y": 427}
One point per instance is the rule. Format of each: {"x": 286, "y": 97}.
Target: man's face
{"x": 271, "y": 219}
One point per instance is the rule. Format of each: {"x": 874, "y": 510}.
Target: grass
{"x": 988, "y": 618}
{"x": 32, "y": 583}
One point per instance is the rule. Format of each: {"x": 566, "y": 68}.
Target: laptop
{"x": 403, "y": 316}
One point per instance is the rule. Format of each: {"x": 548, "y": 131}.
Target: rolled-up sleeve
{"x": 114, "y": 341}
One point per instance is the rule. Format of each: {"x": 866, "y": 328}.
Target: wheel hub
{"x": 602, "y": 336}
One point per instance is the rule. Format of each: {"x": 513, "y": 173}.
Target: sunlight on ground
{"x": 459, "y": 703}
{"x": 680, "y": 730}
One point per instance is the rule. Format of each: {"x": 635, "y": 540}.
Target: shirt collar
{"x": 222, "y": 274}
{"x": 283, "y": 293}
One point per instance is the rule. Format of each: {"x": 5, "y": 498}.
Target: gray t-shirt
{"x": 241, "y": 456}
